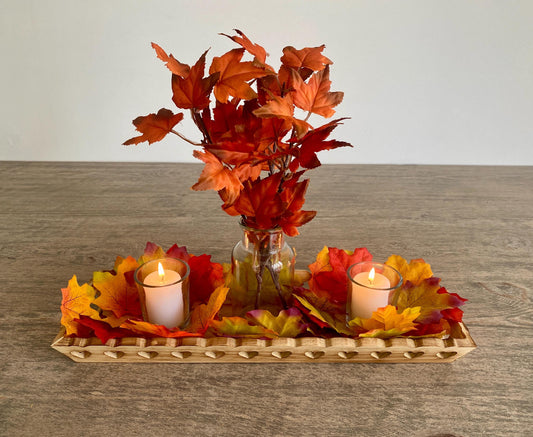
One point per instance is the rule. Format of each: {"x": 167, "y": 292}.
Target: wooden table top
{"x": 474, "y": 225}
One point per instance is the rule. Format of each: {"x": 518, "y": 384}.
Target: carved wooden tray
{"x": 290, "y": 350}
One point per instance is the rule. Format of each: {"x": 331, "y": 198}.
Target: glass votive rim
{"x": 163, "y": 261}
{"x": 379, "y": 268}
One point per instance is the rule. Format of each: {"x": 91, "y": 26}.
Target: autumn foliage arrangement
{"x": 254, "y": 122}
{"x": 257, "y": 148}
{"x": 109, "y": 306}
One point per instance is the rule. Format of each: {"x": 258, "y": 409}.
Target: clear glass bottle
{"x": 262, "y": 271}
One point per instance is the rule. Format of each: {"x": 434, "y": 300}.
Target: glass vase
{"x": 262, "y": 271}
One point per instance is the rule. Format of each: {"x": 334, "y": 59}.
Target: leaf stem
{"x": 183, "y": 137}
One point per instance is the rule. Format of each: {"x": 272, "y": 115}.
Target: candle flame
{"x": 161, "y": 271}
{"x": 371, "y": 276}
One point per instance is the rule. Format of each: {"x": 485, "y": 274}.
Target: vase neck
{"x": 270, "y": 240}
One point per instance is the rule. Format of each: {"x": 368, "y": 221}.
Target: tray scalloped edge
{"x": 244, "y": 350}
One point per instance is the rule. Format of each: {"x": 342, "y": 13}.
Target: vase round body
{"x": 262, "y": 270}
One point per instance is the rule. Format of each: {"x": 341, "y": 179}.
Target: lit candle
{"x": 370, "y": 291}
{"x": 164, "y": 297}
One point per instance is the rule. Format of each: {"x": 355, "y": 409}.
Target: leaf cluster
{"x": 256, "y": 138}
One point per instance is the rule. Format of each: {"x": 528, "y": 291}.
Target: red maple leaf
{"x": 328, "y": 272}
{"x": 260, "y": 202}
{"x": 314, "y": 142}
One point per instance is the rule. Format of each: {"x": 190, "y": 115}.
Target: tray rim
{"x": 282, "y": 349}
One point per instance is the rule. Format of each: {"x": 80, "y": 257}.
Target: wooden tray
{"x": 290, "y": 350}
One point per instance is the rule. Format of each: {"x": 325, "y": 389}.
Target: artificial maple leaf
{"x": 453, "y": 314}
{"x": 322, "y": 312}
{"x": 306, "y": 60}
{"x": 439, "y": 329}
{"x": 192, "y": 92}
{"x": 203, "y": 314}
{"x": 271, "y": 132}
{"x": 254, "y": 49}
{"x": 239, "y": 327}
{"x": 315, "y": 96}
{"x": 151, "y": 251}
{"x": 102, "y": 330}
{"x": 147, "y": 329}
{"x": 314, "y": 142}
{"x": 154, "y": 127}
{"x": 178, "y": 252}
{"x": 76, "y": 302}
{"x": 233, "y": 76}
{"x": 172, "y": 63}
{"x": 427, "y": 296}
{"x": 291, "y": 221}
{"x": 415, "y": 272}
{"x": 288, "y": 323}
{"x": 282, "y": 107}
{"x": 328, "y": 272}
{"x": 386, "y": 322}
{"x": 118, "y": 292}
{"x": 205, "y": 277}
{"x": 260, "y": 202}
{"x": 216, "y": 176}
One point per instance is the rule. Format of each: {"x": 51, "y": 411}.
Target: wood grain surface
{"x": 474, "y": 225}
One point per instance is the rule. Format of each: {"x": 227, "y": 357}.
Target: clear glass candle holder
{"x": 163, "y": 286}
{"x": 366, "y": 295}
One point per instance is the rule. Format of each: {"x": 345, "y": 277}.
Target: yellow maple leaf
{"x": 76, "y": 302}
{"x": 415, "y": 272}
{"x": 386, "y": 322}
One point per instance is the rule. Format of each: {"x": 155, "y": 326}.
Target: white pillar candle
{"x": 369, "y": 294}
{"x": 164, "y": 299}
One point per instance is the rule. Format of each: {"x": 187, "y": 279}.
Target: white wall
{"x": 425, "y": 81}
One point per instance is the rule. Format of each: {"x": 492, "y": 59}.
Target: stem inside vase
{"x": 263, "y": 269}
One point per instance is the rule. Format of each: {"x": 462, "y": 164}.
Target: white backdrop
{"x": 425, "y": 81}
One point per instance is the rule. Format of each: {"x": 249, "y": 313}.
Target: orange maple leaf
{"x": 154, "y": 127}
{"x": 386, "y": 322}
{"x": 306, "y": 60}
{"x": 75, "y": 303}
{"x": 216, "y": 176}
{"x": 192, "y": 92}
{"x": 202, "y": 315}
{"x": 118, "y": 292}
{"x": 152, "y": 330}
{"x": 315, "y": 96}
{"x": 234, "y": 76}
{"x": 282, "y": 107}
{"x": 254, "y": 49}
{"x": 172, "y": 63}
